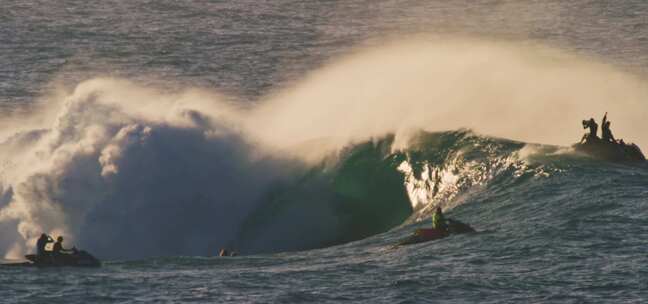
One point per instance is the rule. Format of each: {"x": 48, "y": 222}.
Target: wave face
{"x": 372, "y": 187}
{"x": 127, "y": 187}
{"x": 125, "y": 182}
{"x": 551, "y": 226}
{"x": 354, "y": 195}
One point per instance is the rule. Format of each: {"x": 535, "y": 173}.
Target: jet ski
{"x": 78, "y": 258}
{"x": 430, "y": 234}
{"x": 610, "y": 151}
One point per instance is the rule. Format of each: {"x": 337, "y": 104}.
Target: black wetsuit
{"x": 606, "y": 134}
{"x": 593, "y": 127}
{"x": 58, "y": 248}
{"x": 40, "y": 245}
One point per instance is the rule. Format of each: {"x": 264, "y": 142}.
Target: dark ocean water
{"x": 156, "y": 199}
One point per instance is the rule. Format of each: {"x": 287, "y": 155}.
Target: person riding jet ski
{"x": 58, "y": 248}
{"x": 593, "y": 128}
{"x": 606, "y": 133}
{"x": 42, "y": 243}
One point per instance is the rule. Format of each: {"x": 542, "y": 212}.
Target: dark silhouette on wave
{"x": 78, "y": 258}
{"x": 58, "y": 256}
{"x": 607, "y": 148}
{"x": 430, "y": 234}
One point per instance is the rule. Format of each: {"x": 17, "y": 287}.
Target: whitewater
{"x": 311, "y": 137}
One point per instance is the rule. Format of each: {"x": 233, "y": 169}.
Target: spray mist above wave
{"x": 512, "y": 90}
{"x": 127, "y": 170}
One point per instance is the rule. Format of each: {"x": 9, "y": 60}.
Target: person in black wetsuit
{"x": 41, "y": 243}
{"x": 606, "y": 134}
{"x": 593, "y": 128}
{"x": 58, "y": 247}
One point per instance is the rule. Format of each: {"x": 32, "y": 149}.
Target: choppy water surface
{"x": 156, "y": 197}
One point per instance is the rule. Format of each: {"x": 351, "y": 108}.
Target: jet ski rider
{"x": 42, "y": 241}
{"x": 606, "y": 133}
{"x": 58, "y": 247}
{"x": 593, "y": 128}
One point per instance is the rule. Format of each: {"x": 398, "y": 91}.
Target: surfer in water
{"x": 439, "y": 221}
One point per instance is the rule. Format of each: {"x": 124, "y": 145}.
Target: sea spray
{"x": 126, "y": 180}
{"x": 124, "y": 169}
